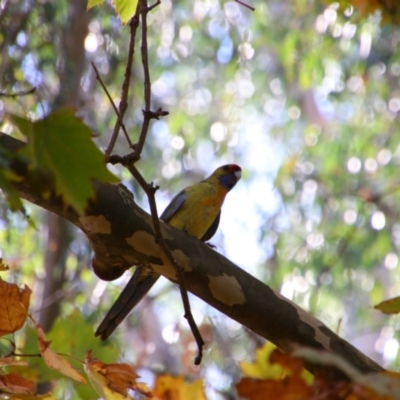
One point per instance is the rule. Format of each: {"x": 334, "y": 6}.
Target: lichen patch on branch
{"x": 144, "y": 243}
{"x": 166, "y": 270}
{"x": 226, "y": 289}
{"x": 96, "y": 224}
{"x": 183, "y": 260}
{"x": 320, "y": 336}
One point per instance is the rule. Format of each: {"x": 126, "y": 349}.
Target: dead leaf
{"x": 47, "y": 396}
{"x": 15, "y": 384}
{"x": 390, "y": 9}
{"x": 14, "y": 304}
{"x": 10, "y": 361}
{"x": 292, "y": 386}
{"x": 52, "y": 359}
{"x": 374, "y": 386}
{"x": 112, "y": 381}
{"x": 285, "y": 389}
{"x": 3, "y": 265}
{"x": 294, "y": 365}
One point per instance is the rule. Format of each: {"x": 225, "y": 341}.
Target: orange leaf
{"x": 3, "y": 266}
{"x": 286, "y": 389}
{"x": 291, "y": 387}
{"x": 286, "y": 360}
{"x": 14, "y": 304}
{"x": 390, "y": 9}
{"x": 46, "y": 396}
{"x": 15, "y": 384}
{"x": 53, "y": 360}
{"x": 112, "y": 379}
{"x": 10, "y": 361}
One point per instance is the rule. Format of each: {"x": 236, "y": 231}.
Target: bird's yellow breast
{"x": 201, "y": 208}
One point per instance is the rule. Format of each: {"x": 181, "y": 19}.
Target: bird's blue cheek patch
{"x": 227, "y": 181}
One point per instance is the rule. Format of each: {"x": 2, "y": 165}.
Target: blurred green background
{"x": 304, "y": 95}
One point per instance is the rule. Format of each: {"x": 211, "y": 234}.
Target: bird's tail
{"x": 139, "y": 284}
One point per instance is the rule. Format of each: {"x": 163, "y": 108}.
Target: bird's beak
{"x": 238, "y": 174}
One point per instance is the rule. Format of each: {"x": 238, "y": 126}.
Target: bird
{"x": 195, "y": 210}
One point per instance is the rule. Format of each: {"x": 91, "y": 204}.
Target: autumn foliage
{"x": 109, "y": 380}
{"x": 273, "y": 374}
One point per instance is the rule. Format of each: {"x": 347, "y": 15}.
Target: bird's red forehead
{"x": 235, "y": 167}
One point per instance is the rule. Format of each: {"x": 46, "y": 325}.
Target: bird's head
{"x": 227, "y": 175}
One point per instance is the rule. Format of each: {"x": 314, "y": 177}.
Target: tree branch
{"x": 18, "y": 94}
{"x": 122, "y": 235}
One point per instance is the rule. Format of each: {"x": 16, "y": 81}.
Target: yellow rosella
{"x": 196, "y": 210}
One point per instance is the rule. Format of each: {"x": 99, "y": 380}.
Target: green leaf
{"x": 62, "y": 144}
{"x": 64, "y": 339}
{"x": 13, "y": 198}
{"x": 92, "y": 3}
{"x": 71, "y": 335}
{"x": 391, "y": 306}
{"x": 125, "y": 9}
{"x": 6, "y": 179}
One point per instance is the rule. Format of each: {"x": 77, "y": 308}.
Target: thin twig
{"x": 18, "y": 94}
{"x": 157, "y": 3}
{"x": 147, "y": 113}
{"x": 120, "y": 121}
{"x": 24, "y": 355}
{"x": 129, "y": 161}
{"x": 150, "y": 191}
{"x": 146, "y": 83}
{"x": 123, "y": 104}
{"x": 245, "y": 5}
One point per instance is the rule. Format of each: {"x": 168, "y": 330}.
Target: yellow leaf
{"x": 391, "y": 306}
{"x": 125, "y": 9}
{"x": 168, "y": 387}
{"x": 92, "y": 3}
{"x": 261, "y": 368}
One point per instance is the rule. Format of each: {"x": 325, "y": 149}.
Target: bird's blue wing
{"x": 174, "y": 206}
{"x": 212, "y": 229}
